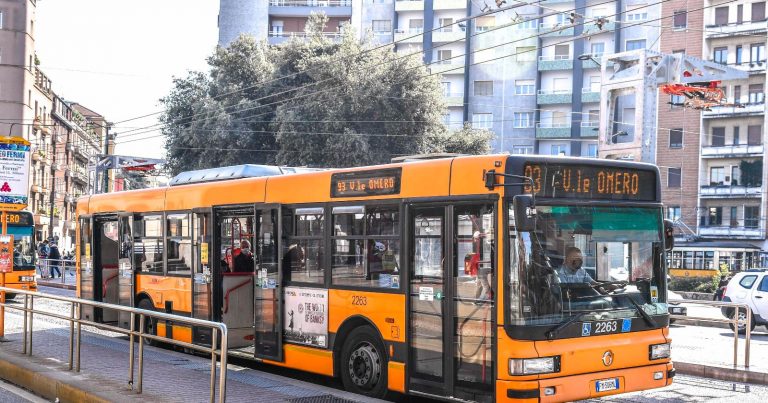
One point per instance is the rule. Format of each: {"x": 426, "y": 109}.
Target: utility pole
{"x": 105, "y": 172}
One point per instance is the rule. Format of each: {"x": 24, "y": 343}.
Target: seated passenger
{"x": 244, "y": 260}
{"x": 571, "y": 271}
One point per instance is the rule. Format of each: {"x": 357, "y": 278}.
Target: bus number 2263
{"x": 359, "y": 300}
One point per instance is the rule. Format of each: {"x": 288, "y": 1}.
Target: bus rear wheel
{"x": 150, "y": 326}
{"x": 363, "y": 365}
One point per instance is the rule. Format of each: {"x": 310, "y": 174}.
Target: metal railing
{"x": 45, "y": 266}
{"x": 735, "y": 321}
{"x": 138, "y": 316}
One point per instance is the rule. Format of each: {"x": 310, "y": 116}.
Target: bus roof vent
{"x": 422, "y": 157}
{"x": 225, "y": 173}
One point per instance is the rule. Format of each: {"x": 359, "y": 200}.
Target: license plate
{"x": 605, "y": 385}
{"x": 26, "y": 278}
{"x": 677, "y": 310}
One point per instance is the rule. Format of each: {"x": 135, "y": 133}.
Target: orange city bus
{"x": 441, "y": 278}
{"x": 21, "y": 225}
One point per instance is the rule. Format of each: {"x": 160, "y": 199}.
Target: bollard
{"x": 213, "y": 366}
{"x": 130, "y": 352}
{"x": 141, "y": 353}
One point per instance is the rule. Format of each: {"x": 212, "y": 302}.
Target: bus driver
{"x": 571, "y": 270}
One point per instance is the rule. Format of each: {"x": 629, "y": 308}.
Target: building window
{"x": 522, "y": 120}
{"x": 739, "y": 54}
{"x": 720, "y": 55}
{"x": 561, "y": 86}
{"x": 674, "y": 177}
{"x": 525, "y": 53}
{"x": 673, "y": 213}
{"x": 525, "y": 87}
{"x": 758, "y": 11}
{"x": 718, "y": 137}
{"x": 752, "y": 216}
{"x": 446, "y": 24}
{"x": 482, "y": 120}
{"x": 675, "y": 138}
{"x": 529, "y": 22}
{"x": 2, "y": 22}
{"x": 522, "y": 150}
{"x": 446, "y": 87}
{"x": 558, "y": 149}
{"x": 756, "y": 94}
{"x": 637, "y": 12}
{"x": 757, "y": 53}
{"x": 594, "y": 83}
{"x": 716, "y": 176}
{"x": 755, "y": 135}
{"x": 680, "y": 19}
{"x": 444, "y": 56}
{"x": 484, "y": 88}
{"x": 415, "y": 26}
{"x": 636, "y": 44}
{"x": 715, "y": 216}
{"x": 721, "y": 15}
{"x": 382, "y": 26}
{"x": 591, "y": 151}
{"x": 562, "y": 52}
{"x": 735, "y": 175}
{"x": 597, "y": 50}
{"x": 446, "y": 119}
{"x": 485, "y": 24}
{"x": 736, "y": 135}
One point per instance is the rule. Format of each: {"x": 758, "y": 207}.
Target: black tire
{"x": 9, "y": 296}
{"x": 743, "y": 322}
{"x": 150, "y": 325}
{"x": 363, "y": 363}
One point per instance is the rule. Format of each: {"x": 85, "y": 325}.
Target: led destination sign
{"x": 366, "y": 183}
{"x": 20, "y": 219}
{"x": 590, "y": 182}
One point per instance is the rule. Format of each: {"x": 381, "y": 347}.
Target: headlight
{"x": 660, "y": 351}
{"x": 26, "y": 278}
{"x": 530, "y": 366}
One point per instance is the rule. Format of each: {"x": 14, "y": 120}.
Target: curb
{"x": 701, "y": 323}
{"x": 56, "y": 285}
{"x": 728, "y": 374}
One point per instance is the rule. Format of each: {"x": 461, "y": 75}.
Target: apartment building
{"x": 732, "y": 177}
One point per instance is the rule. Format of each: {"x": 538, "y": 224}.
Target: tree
{"x": 309, "y": 102}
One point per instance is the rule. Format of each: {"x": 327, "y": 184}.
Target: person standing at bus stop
{"x": 42, "y": 254}
{"x": 54, "y": 259}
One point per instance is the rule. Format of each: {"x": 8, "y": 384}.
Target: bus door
{"x": 233, "y": 281}
{"x": 125, "y": 280}
{"x": 451, "y": 294}
{"x": 202, "y": 277}
{"x": 268, "y": 290}
{"x": 106, "y": 252}
{"x": 85, "y": 258}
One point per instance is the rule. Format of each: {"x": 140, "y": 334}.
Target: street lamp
{"x": 10, "y": 131}
{"x": 615, "y": 136}
{"x": 588, "y": 56}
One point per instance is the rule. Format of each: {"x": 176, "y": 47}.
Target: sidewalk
{"x": 69, "y": 281}
{"x": 168, "y": 376}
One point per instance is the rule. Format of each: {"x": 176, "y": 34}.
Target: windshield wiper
{"x": 639, "y": 309}
{"x": 551, "y": 334}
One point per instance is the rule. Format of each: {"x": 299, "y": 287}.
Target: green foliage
{"x": 308, "y": 102}
{"x": 695, "y": 284}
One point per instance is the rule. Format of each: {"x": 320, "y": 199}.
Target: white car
{"x": 673, "y": 307}
{"x": 751, "y": 288}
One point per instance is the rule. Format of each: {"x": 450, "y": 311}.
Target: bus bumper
{"x": 577, "y": 387}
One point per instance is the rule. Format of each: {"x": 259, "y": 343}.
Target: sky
{"x": 118, "y": 58}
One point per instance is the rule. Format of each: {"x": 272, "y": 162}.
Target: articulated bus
{"x": 22, "y": 226}
{"x": 448, "y": 278}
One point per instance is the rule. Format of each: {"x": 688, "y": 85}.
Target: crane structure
{"x": 126, "y": 163}
{"x": 632, "y": 80}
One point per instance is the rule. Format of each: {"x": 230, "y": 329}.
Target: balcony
{"x": 548, "y": 130}
{"x": 732, "y": 151}
{"x": 78, "y": 175}
{"x": 37, "y": 189}
{"x": 730, "y": 232}
{"x": 589, "y": 129}
{"x": 726, "y": 191}
{"x": 736, "y": 29}
{"x": 750, "y": 67}
{"x": 302, "y": 8}
{"x": 410, "y": 5}
{"x": 455, "y": 66}
{"x": 449, "y": 4}
{"x": 454, "y": 99}
{"x": 551, "y": 97}
{"x": 278, "y": 37}
{"x": 749, "y": 109}
{"x": 414, "y": 35}
{"x": 70, "y": 198}
{"x": 550, "y": 30}
{"x": 588, "y": 95}
{"x": 550, "y": 63}
{"x": 82, "y": 152}
{"x": 43, "y": 83}
{"x": 449, "y": 36}
{"x": 42, "y": 219}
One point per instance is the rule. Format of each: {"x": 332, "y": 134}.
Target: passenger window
{"x": 303, "y": 252}
{"x": 764, "y": 284}
{"x": 148, "y": 244}
{"x": 366, "y": 247}
{"x": 747, "y": 281}
{"x": 179, "y": 244}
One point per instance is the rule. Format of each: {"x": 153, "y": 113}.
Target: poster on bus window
{"x": 14, "y": 173}
{"x": 6, "y": 253}
{"x": 306, "y": 316}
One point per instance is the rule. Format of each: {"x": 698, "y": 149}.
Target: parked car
{"x": 748, "y": 287}
{"x": 673, "y": 307}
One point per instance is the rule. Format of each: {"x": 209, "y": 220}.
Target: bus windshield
{"x": 23, "y": 248}
{"x": 596, "y": 263}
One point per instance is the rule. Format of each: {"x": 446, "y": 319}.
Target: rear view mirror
{"x": 525, "y": 211}
{"x": 669, "y": 234}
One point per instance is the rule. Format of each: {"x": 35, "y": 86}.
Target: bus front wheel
{"x": 150, "y": 327}
{"x": 363, "y": 365}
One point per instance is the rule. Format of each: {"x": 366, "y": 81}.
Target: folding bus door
{"x": 202, "y": 277}
{"x": 86, "y": 277}
{"x": 268, "y": 290}
{"x": 125, "y": 279}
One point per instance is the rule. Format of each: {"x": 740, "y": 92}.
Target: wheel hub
{"x": 365, "y": 366}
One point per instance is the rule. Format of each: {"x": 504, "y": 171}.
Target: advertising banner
{"x": 14, "y": 173}
{"x": 306, "y": 316}
{"x": 6, "y": 253}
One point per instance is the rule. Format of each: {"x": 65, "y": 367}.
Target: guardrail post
{"x": 26, "y": 313}
{"x": 130, "y": 353}
{"x": 31, "y": 320}
{"x": 71, "y": 335}
{"x": 79, "y": 337}
{"x": 214, "y": 342}
{"x": 141, "y": 352}
{"x": 736, "y": 336}
{"x": 748, "y": 338}
{"x": 223, "y": 373}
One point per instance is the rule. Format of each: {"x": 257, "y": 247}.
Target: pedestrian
{"x": 42, "y": 254}
{"x": 54, "y": 258}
